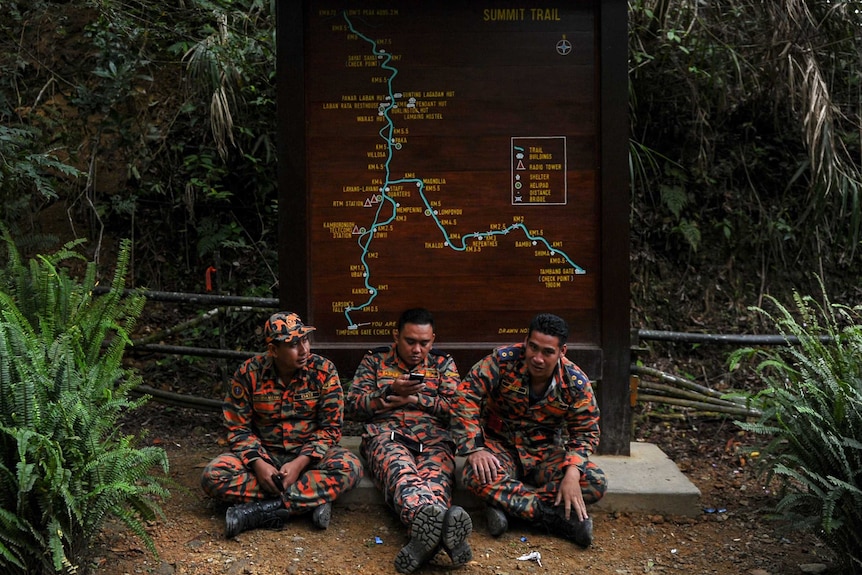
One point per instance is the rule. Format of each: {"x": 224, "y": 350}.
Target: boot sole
{"x": 426, "y": 530}
{"x": 457, "y": 527}
{"x": 231, "y": 524}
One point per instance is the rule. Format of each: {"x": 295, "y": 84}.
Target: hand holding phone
{"x": 408, "y": 384}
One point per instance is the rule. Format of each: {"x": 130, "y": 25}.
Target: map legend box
{"x": 539, "y": 170}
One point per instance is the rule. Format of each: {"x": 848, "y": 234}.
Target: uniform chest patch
{"x": 513, "y": 387}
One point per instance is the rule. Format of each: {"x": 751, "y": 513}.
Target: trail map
{"x": 452, "y": 164}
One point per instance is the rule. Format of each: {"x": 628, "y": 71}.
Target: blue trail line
{"x": 380, "y": 219}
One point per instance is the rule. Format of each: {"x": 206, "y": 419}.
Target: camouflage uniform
{"x": 534, "y": 439}
{"x": 279, "y": 421}
{"x": 408, "y": 451}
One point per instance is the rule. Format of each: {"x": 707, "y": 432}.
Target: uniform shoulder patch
{"x": 438, "y": 353}
{"x": 511, "y": 353}
{"x": 576, "y": 376}
{"x": 380, "y": 349}
{"x": 237, "y": 390}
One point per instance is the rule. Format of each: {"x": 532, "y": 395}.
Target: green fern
{"x": 674, "y": 198}
{"x": 65, "y": 469}
{"x": 812, "y": 411}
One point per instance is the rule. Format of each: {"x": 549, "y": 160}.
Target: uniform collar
{"x": 556, "y": 379}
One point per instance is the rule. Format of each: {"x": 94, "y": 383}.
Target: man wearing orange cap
{"x": 283, "y": 414}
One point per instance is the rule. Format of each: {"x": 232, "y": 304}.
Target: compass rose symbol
{"x": 564, "y": 47}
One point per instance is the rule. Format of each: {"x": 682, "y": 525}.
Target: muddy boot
{"x": 426, "y": 529}
{"x": 554, "y": 520}
{"x": 321, "y": 515}
{"x": 457, "y": 526}
{"x": 244, "y": 516}
{"x": 496, "y": 521}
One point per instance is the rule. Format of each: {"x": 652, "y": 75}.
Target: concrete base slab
{"x": 647, "y": 481}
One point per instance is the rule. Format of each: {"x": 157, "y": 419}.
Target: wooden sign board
{"x": 454, "y": 156}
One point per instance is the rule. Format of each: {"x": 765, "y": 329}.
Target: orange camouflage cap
{"x": 283, "y": 326}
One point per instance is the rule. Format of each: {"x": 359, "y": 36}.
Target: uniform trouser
{"x": 520, "y": 485}
{"x": 227, "y": 479}
{"x": 410, "y": 480}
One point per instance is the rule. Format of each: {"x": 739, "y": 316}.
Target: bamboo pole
{"x": 675, "y": 380}
{"x": 179, "y": 399}
{"x": 685, "y": 394}
{"x": 738, "y": 411}
{"x": 167, "y": 332}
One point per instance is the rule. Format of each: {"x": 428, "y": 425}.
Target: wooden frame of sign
{"x": 467, "y": 158}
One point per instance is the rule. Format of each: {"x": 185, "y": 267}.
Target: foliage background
{"x": 154, "y": 121}
{"x": 165, "y": 110}
{"x": 746, "y": 152}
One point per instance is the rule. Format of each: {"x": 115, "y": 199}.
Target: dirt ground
{"x": 733, "y": 535}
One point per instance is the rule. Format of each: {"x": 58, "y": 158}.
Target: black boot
{"x": 554, "y": 520}
{"x": 244, "y": 516}
{"x": 496, "y": 521}
{"x": 457, "y": 527}
{"x": 426, "y": 530}
{"x": 321, "y": 515}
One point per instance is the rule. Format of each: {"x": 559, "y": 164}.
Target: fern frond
{"x": 65, "y": 468}
{"x": 13, "y": 544}
{"x": 812, "y": 407}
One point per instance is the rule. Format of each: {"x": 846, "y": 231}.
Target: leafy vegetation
{"x": 25, "y": 168}
{"x": 64, "y": 468}
{"x": 166, "y": 112}
{"x": 744, "y": 153}
{"x": 812, "y": 417}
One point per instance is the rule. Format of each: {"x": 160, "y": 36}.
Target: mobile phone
{"x": 417, "y": 377}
